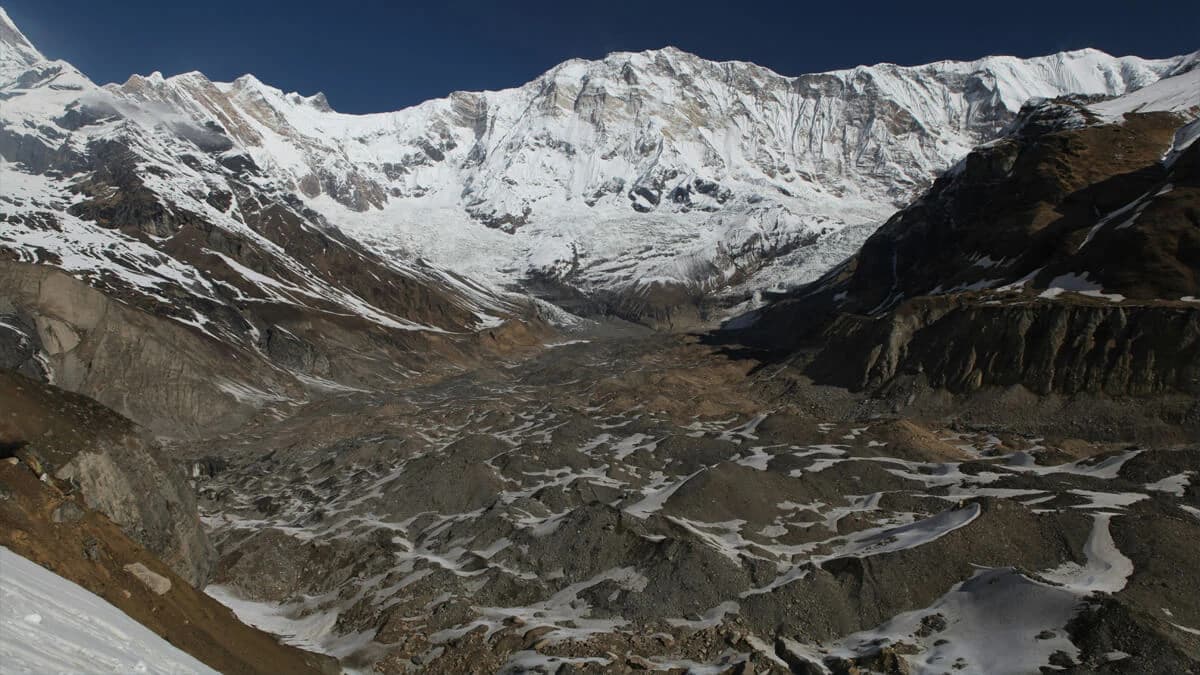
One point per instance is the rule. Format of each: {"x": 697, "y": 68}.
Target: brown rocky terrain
{"x": 110, "y": 465}
{"x": 82, "y": 494}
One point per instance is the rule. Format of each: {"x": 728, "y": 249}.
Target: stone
{"x": 91, "y": 549}
{"x": 156, "y": 582}
{"x": 67, "y": 512}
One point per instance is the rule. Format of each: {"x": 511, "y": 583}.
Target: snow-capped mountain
{"x": 208, "y": 288}
{"x": 1089, "y": 198}
{"x": 119, "y": 179}
{"x": 639, "y": 168}
{"x": 642, "y": 184}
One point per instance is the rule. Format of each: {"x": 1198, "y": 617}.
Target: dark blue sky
{"x": 376, "y": 56}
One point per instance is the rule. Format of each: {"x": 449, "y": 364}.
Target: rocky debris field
{"x": 644, "y": 503}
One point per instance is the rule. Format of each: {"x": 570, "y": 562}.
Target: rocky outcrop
{"x": 102, "y": 455}
{"x": 1046, "y": 346}
{"x": 148, "y": 368}
{"x": 20, "y": 345}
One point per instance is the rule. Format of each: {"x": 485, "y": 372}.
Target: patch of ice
{"x": 993, "y": 621}
{"x": 1176, "y": 485}
{"x": 1108, "y": 500}
{"x": 1106, "y": 569}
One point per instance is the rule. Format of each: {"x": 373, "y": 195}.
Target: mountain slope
{"x": 647, "y": 181}
{"x": 212, "y": 291}
{"x": 51, "y": 540}
{"x": 109, "y": 465}
{"x": 1063, "y": 257}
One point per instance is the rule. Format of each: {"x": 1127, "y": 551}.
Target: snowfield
{"x": 51, "y": 625}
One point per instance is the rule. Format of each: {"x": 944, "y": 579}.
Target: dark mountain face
{"x": 1093, "y": 203}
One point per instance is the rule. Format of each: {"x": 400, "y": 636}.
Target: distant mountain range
{"x": 657, "y": 185}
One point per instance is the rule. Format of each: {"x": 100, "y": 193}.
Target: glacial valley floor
{"x": 650, "y": 503}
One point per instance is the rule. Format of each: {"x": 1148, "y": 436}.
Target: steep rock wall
{"x": 1048, "y": 347}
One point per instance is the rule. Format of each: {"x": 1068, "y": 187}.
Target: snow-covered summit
{"x": 1179, "y": 94}
{"x": 159, "y": 208}
{"x": 16, "y": 51}
{"x": 640, "y": 170}
{"x": 641, "y": 167}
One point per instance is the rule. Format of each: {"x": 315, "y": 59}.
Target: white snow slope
{"x": 51, "y": 625}
{"x": 639, "y": 168}
{"x": 53, "y": 123}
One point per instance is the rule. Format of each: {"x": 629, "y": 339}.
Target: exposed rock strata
{"x": 117, "y": 472}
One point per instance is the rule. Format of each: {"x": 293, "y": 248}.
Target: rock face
{"x": 118, "y": 473}
{"x": 157, "y": 371}
{"x": 1046, "y": 346}
{"x": 655, "y": 184}
{"x": 1063, "y": 257}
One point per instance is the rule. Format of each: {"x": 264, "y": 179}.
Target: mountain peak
{"x": 10, "y": 34}
{"x": 16, "y": 51}
{"x": 634, "y": 153}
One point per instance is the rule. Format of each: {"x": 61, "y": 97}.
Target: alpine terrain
{"x": 651, "y": 364}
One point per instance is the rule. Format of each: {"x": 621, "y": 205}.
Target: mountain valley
{"x": 651, "y": 364}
